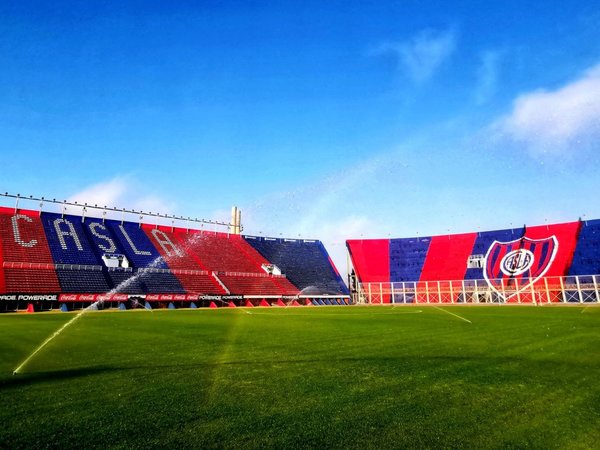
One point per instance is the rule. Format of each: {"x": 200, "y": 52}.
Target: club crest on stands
{"x": 512, "y": 267}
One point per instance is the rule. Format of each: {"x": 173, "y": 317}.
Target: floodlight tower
{"x": 236, "y": 220}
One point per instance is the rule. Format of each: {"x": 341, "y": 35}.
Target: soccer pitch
{"x": 341, "y": 377}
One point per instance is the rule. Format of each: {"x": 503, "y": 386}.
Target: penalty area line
{"x": 452, "y": 314}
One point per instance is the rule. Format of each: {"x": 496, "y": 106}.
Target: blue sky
{"x": 319, "y": 119}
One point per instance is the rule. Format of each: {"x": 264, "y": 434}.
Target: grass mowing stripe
{"x": 519, "y": 377}
{"x": 452, "y": 314}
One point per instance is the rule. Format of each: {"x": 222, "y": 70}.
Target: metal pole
{"x": 562, "y": 289}
{"x": 579, "y": 289}
{"x": 547, "y": 290}
{"x": 596, "y": 289}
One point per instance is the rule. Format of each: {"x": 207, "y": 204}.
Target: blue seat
{"x": 305, "y": 263}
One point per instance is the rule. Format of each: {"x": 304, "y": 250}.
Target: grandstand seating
{"x": 135, "y": 245}
{"x": 407, "y": 257}
{"x": 233, "y": 260}
{"x": 221, "y": 252}
{"x": 252, "y": 285}
{"x": 24, "y": 242}
{"x": 34, "y": 281}
{"x": 190, "y": 272}
{"x": 484, "y": 241}
{"x": 585, "y": 258}
{"x": 67, "y": 240}
{"x": 305, "y": 263}
{"x": 437, "y": 268}
{"x": 125, "y": 281}
{"x": 445, "y": 257}
{"x": 62, "y": 253}
{"x": 166, "y": 283}
{"x": 88, "y": 279}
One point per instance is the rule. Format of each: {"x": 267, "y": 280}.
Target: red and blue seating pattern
{"x": 43, "y": 252}
{"x": 305, "y": 262}
{"x": 559, "y": 250}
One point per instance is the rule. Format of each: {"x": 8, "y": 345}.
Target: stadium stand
{"x": 305, "y": 262}
{"x": 407, "y": 257}
{"x": 187, "y": 267}
{"x": 585, "y": 258}
{"x": 27, "y": 262}
{"x": 531, "y": 263}
{"x": 483, "y": 242}
{"x": 237, "y": 264}
{"x": 81, "y": 259}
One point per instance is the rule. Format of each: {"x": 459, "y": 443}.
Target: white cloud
{"x": 487, "y": 76}
{"x": 120, "y": 192}
{"x": 423, "y": 54}
{"x": 559, "y": 121}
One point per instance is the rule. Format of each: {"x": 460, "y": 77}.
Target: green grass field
{"x": 326, "y": 377}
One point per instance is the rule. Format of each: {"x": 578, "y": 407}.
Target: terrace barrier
{"x": 547, "y": 290}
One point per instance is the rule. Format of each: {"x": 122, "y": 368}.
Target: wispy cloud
{"x": 560, "y": 121}
{"x": 487, "y": 76}
{"x": 423, "y": 54}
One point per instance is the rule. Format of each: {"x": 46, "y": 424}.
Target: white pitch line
{"x": 316, "y": 314}
{"x": 452, "y": 314}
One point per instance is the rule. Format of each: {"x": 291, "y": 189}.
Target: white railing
{"x": 249, "y": 274}
{"x": 547, "y": 290}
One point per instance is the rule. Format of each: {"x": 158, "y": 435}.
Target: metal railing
{"x": 85, "y": 207}
{"x": 547, "y": 290}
